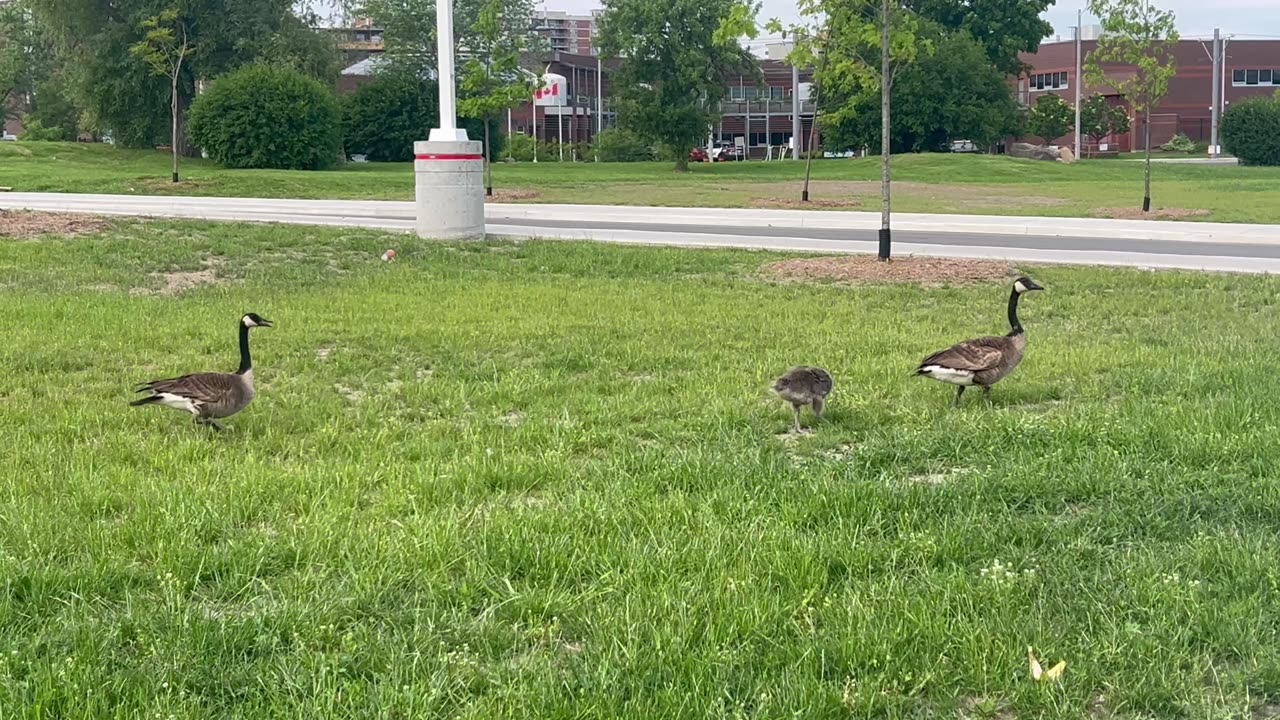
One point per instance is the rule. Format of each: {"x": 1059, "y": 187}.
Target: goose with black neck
{"x": 209, "y": 396}
{"x": 982, "y": 361}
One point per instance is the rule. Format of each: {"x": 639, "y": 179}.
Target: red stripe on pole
{"x": 433, "y": 156}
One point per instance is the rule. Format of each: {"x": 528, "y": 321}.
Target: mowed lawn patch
{"x": 938, "y": 183}
{"x": 546, "y": 480}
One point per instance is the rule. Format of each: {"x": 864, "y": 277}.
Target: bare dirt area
{"x": 506, "y": 196}
{"x": 868, "y": 269}
{"x": 1157, "y": 214}
{"x": 775, "y": 203}
{"x": 180, "y": 281}
{"x": 26, "y": 225}
{"x": 856, "y": 193}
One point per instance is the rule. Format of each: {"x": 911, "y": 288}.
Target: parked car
{"x": 7, "y": 136}
{"x": 964, "y": 146}
{"x": 699, "y": 155}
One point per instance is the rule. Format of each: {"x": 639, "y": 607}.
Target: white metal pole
{"x": 535, "y": 130}
{"x": 599, "y": 97}
{"x": 448, "y": 130}
{"x": 1079, "y": 81}
{"x": 560, "y": 131}
{"x": 796, "y": 130}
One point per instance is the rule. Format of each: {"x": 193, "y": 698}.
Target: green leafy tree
{"x": 27, "y": 56}
{"x": 1139, "y": 35}
{"x": 865, "y": 45}
{"x": 492, "y": 80}
{"x": 677, "y": 57}
{"x": 119, "y": 94}
{"x": 1004, "y": 28}
{"x": 164, "y": 48}
{"x": 409, "y": 27}
{"x": 1050, "y": 118}
{"x": 954, "y": 94}
{"x": 1099, "y": 118}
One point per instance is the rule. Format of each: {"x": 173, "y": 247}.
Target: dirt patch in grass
{"x": 813, "y": 204}
{"x": 927, "y": 271}
{"x": 26, "y": 225}
{"x": 180, "y": 281}
{"x": 162, "y": 185}
{"x": 504, "y": 196}
{"x": 1157, "y": 214}
{"x": 853, "y": 193}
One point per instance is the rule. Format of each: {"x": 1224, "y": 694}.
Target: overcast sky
{"x": 1195, "y": 17}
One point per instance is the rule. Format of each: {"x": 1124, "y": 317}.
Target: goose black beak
{"x": 263, "y": 322}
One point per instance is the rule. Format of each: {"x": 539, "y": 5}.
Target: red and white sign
{"x": 554, "y": 91}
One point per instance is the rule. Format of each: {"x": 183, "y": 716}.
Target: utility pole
{"x": 1079, "y": 82}
{"x": 1214, "y": 150}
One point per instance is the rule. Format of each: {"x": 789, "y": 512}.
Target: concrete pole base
{"x": 449, "y": 189}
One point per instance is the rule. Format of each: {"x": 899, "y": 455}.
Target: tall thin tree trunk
{"x": 813, "y": 129}
{"x": 808, "y": 161}
{"x": 1146, "y": 192}
{"x": 886, "y": 91}
{"x": 173, "y": 137}
{"x": 488, "y": 167}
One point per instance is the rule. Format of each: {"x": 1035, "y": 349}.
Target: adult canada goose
{"x": 802, "y": 386}
{"x": 209, "y": 396}
{"x": 983, "y": 361}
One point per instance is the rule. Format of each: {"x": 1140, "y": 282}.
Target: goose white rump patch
{"x": 177, "y": 402}
{"x": 948, "y": 375}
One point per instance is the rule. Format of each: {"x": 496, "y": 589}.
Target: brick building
{"x": 1251, "y": 68}
{"x": 567, "y": 33}
{"x": 761, "y": 114}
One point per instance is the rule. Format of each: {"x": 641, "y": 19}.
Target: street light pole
{"x": 1079, "y": 81}
{"x": 1216, "y": 109}
{"x": 448, "y": 130}
{"x": 448, "y": 166}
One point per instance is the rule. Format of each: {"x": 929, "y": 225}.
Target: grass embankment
{"x": 966, "y": 184}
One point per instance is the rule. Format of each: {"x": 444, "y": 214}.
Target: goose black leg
{"x": 796, "y": 408}
{"x": 959, "y": 392}
{"x": 986, "y": 393}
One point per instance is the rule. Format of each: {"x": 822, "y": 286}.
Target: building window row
{"x": 1248, "y": 78}
{"x": 1048, "y": 81}
{"x": 747, "y": 92}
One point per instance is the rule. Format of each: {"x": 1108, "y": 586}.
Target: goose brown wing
{"x": 206, "y": 388}
{"x": 974, "y": 355}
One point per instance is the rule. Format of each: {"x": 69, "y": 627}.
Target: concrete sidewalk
{"x": 399, "y": 215}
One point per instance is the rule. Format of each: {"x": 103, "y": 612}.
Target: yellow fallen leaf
{"x": 1039, "y": 674}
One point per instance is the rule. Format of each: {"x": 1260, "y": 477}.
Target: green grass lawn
{"x": 924, "y": 183}
{"x": 545, "y": 480}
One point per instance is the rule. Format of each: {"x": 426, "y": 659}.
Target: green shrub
{"x": 263, "y": 116}
{"x": 1180, "y": 143}
{"x": 520, "y": 148}
{"x": 383, "y": 119}
{"x": 1251, "y": 131}
{"x": 617, "y": 145}
{"x": 35, "y": 131}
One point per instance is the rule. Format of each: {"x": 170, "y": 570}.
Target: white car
{"x": 7, "y": 136}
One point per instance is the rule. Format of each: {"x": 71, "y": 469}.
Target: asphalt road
{"x": 1191, "y": 246}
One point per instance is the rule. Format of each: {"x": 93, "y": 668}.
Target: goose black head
{"x": 254, "y": 320}
{"x": 1024, "y": 285}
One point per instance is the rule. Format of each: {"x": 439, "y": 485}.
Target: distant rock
{"x": 1066, "y": 156}
{"x": 1033, "y": 152}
